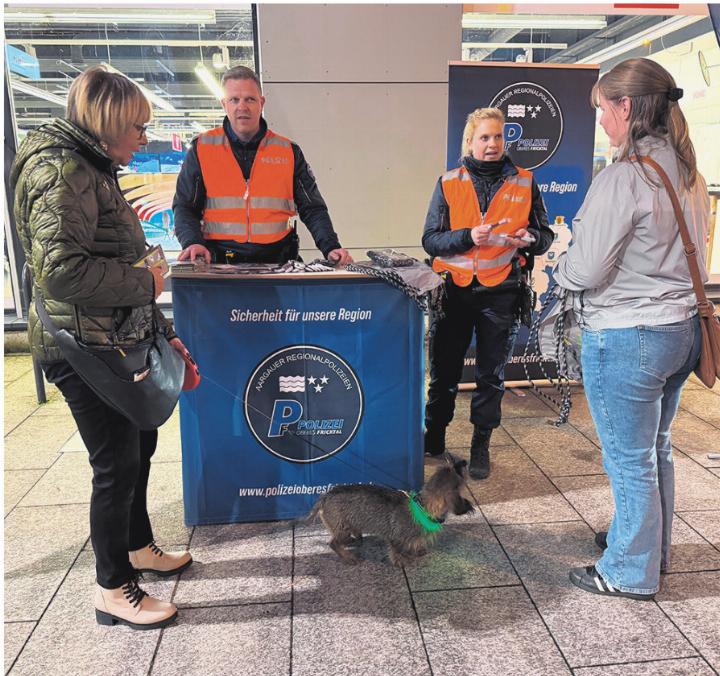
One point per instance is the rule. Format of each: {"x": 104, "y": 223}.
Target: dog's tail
{"x": 314, "y": 513}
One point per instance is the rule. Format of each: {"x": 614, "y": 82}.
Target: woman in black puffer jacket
{"x": 81, "y": 239}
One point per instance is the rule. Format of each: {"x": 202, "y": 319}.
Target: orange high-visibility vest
{"x": 257, "y": 210}
{"x": 510, "y": 207}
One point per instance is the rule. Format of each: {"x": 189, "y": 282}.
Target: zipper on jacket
{"x": 247, "y": 183}
{"x": 115, "y": 340}
{"x": 246, "y": 197}
{"x": 197, "y": 190}
{"x": 76, "y": 311}
{"x": 477, "y": 247}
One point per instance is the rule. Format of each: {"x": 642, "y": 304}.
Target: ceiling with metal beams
{"x": 161, "y": 49}
{"x": 158, "y": 51}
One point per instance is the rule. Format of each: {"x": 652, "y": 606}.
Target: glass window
{"x": 682, "y": 41}
{"x": 176, "y": 55}
{"x": 530, "y": 37}
{"x": 9, "y": 298}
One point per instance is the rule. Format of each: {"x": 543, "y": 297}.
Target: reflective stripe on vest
{"x": 269, "y": 228}
{"x": 258, "y": 210}
{"x": 224, "y": 203}
{"x": 456, "y": 174}
{"x": 478, "y": 263}
{"x": 228, "y": 230}
{"x": 510, "y": 208}
{"x": 213, "y": 139}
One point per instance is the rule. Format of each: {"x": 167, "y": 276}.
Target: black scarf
{"x": 487, "y": 171}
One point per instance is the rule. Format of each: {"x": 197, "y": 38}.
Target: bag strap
{"x": 29, "y": 284}
{"x": 705, "y": 307}
{"x": 48, "y": 323}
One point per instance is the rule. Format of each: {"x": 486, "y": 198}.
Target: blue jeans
{"x": 633, "y": 379}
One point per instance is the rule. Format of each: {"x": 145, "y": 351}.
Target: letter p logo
{"x": 512, "y": 132}
{"x": 285, "y": 413}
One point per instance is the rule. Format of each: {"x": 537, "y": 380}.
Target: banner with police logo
{"x": 550, "y": 130}
{"x": 305, "y": 384}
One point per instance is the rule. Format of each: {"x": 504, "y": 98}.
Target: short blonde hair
{"x": 106, "y": 104}
{"x": 473, "y": 120}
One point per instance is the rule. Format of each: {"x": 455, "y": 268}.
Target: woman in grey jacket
{"x": 641, "y": 336}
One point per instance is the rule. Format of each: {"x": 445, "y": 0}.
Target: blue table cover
{"x": 306, "y": 383}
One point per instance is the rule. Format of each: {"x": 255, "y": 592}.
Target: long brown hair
{"x": 654, "y": 109}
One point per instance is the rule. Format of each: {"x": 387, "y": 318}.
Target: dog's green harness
{"x": 420, "y": 515}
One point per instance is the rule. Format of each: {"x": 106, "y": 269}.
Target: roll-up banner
{"x": 550, "y": 130}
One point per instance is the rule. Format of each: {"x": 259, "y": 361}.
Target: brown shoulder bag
{"x": 708, "y": 368}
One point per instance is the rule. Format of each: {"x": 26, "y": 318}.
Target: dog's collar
{"x": 420, "y": 515}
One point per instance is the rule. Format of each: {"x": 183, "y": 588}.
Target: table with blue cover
{"x": 308, "y": 380}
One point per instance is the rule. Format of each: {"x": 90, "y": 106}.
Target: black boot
{"x": 480, "y": 454}
{"x": 434, "y": 441}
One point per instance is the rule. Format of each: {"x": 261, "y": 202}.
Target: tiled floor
{"x": 492, "y": 598}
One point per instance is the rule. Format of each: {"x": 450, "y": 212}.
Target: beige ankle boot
{"x": 132, "y": 606}
{"x": 152, "y": 559}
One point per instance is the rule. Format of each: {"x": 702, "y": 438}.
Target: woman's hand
{"x": 159, "y": 281}
{"x": 515, "y": 239}
{"x": 178, "y": 345}
{"x": 192, "y": 373}
{"x": 480, "y": 234}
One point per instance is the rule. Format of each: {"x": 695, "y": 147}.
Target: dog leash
{"x": 562, "y": 384}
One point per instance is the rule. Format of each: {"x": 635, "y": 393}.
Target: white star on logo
{"x": 324, "y": 380}
{"x": 533, "y": 114}
{"x": 537, "y": 108}
{"x": 318, "y": 388}
{"x": 311, "y": 380}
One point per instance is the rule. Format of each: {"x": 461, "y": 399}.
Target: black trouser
{"x": 120, "y": 459}
{"x": 492, "y": 314}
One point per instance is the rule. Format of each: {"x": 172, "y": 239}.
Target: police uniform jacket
{"x": 487, "y": 178}
{"x": 191, "y": 195}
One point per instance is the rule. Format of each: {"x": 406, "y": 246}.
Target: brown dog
{"x": 349, "y": 511}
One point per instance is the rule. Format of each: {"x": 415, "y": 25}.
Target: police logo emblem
{"x": 533, "y": 123}
{"x": 303, "y": 403}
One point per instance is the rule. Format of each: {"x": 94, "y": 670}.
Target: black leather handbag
{"x": 140, "y": 381}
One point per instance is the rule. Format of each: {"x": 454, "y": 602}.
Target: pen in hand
{"x": 480, "y": 233}
{"x": 502, "y": 221}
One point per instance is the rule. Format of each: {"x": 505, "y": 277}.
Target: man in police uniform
{"x": 241, "y": 185}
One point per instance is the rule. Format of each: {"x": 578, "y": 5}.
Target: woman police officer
{"x": 485, "y": 223}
